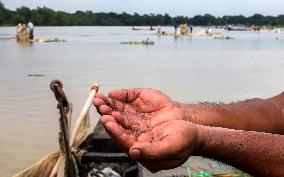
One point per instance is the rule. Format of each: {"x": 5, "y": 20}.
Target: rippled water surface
{"x": 187, "y": 69}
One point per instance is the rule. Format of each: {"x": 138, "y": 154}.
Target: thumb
{"x": 152, "y": 151}
{"x": 135, "y": 154}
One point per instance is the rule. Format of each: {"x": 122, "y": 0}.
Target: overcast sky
{"x": 173, "y": 7}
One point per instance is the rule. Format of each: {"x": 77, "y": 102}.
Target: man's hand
{"x": 149, "y": 126}
{"x": 157, "y": 131}
{"x": 129, "y": 106}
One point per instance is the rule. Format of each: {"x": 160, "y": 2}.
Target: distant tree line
{"x": 43, "y": 16}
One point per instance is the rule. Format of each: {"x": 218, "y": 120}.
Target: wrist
{"x": 186, "y": 112}
{"x": 202, "y": 136}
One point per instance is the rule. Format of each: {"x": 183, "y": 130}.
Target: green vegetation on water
{"x": 43, "y": 16}
{"x": 36, "y": 75}
{"x": 145, "y": 42}
{"x": 224, "y": 37}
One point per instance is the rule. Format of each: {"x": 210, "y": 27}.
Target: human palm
{"x": 145, "y": 122}
{"x": 133, "y": 105}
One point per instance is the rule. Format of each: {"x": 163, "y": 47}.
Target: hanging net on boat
{"x": 63, "y": 163}
{"x": 184, "y": 30}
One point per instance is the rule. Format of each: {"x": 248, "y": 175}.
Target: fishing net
{"x": 54, "y": 164}
{"x": 22, "y": 34}
{"x": 184, "y": 30}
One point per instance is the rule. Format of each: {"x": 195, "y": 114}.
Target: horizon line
{"x": 141, "y": 14}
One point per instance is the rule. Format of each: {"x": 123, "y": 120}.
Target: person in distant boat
{"x": 159, "y": 29}
{"x": 229, "y": 27}
{"x": 162, "y": 134}
{"x": 175, "y": 27}
{"x": 31, "y": 30}
{"x": 190, "y": 29}
{"x": 22, "y": 34}
{"x": 208, "y": 30}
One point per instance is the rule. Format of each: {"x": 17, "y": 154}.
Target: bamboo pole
{"x": 84, "y": 111}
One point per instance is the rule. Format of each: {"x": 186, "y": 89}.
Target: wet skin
{"x": 161, "y": 134}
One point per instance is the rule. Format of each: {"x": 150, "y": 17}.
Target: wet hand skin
{"x": 158, "y": 132}
{"x": 149, "y": 126}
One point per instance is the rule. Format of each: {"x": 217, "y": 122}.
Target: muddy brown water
{"x": 187, "y": 69}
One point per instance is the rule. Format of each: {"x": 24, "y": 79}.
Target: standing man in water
{"x": 176, "y": 27}
{"x": 162, "y": 134}
{"x": 159, "y": 29}
{"x": 190, "y": 29}
{"x": 31, "y": 30}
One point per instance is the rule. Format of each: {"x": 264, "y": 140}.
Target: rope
{"x": 63, "y": 106}
{"x": 75, "y": 166}
{"x": 52, "y": 164}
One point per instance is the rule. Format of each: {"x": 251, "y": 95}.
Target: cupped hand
{"x": 149, "y": 126}
{"x": 129, "y": 106}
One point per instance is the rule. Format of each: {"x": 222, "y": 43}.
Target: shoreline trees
{"x": 43, "y": 16}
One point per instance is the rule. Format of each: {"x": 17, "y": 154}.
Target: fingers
{"x": 105, "y": 110}
{"x": 101, "y": 100}
{"x": 125, "y": 95}
{"x": 121, "y": 120}
{"x": 118, "y": 133}
{"x": 115, "y": 108}
{"x": 105, "y": 119}
{"x": 97, "y": 102}
{"x": 101, "y": 96}
{"x": 117, "y": 100}
{"x": 102, "y": 104}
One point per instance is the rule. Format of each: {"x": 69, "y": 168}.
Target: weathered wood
{"x": 106, "y": 158}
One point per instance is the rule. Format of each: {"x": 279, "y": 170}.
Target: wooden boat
{"x": 47, "y": 40}
{"x": 103, "y": 153}
{"x": 34, "y": 40}
{"x": 82, "y": 154}
{"x": 230, "y": 28}
{"x": 7, "y": 38}
{"x": 144, "y": 29}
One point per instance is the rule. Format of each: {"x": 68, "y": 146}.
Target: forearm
{"x": 258, "y": 154}
{"x": 252, "y": 115}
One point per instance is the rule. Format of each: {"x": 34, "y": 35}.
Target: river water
{"x": 187, "y": 69}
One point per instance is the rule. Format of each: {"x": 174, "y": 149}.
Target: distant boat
{"x": 144, "y": 29}
{"x": 230, "y": 28}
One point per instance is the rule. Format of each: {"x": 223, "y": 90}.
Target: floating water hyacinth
{"x": 145, "y": 42}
